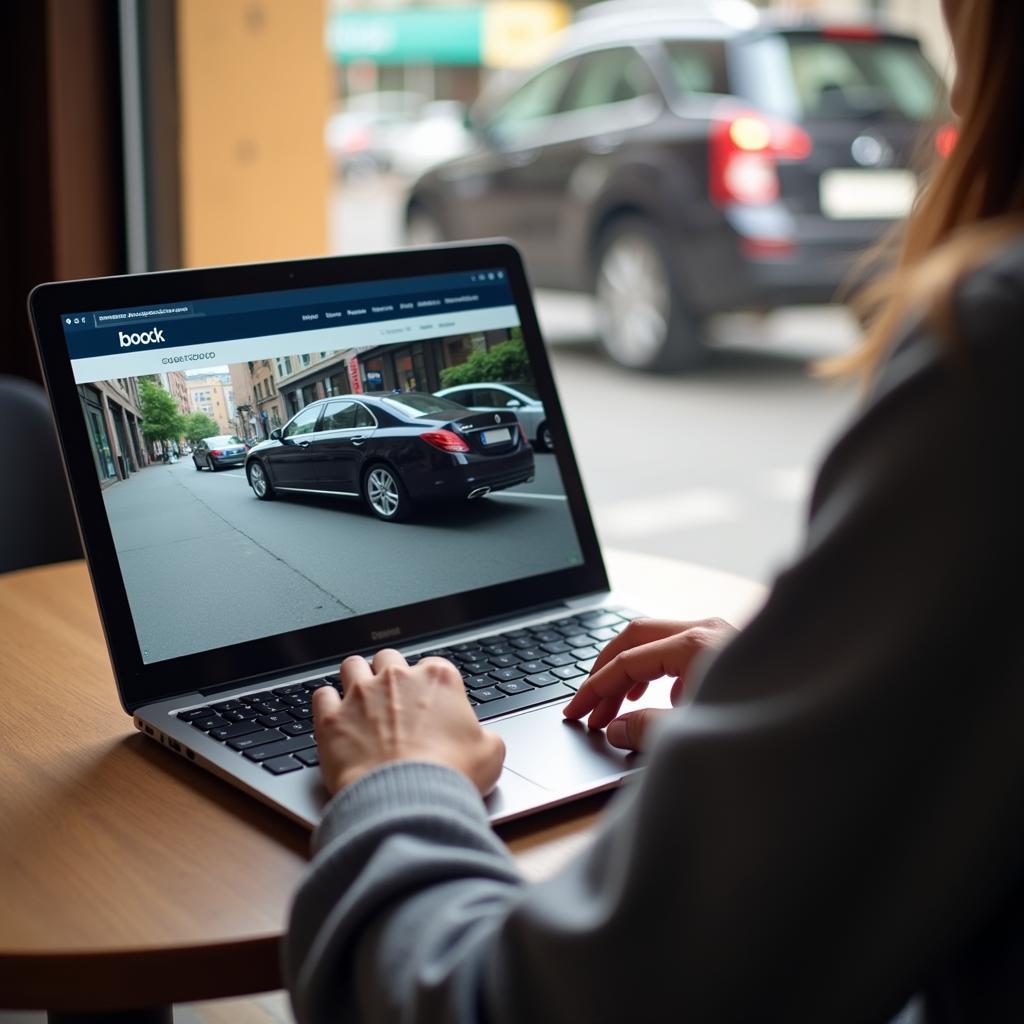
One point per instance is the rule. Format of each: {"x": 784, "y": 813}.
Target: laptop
{"x": 267, "y": 481}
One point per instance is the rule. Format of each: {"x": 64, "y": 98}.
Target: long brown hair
{"x": 974, "y": 201}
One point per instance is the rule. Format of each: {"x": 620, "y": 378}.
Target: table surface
{"x": 129, "y": 877}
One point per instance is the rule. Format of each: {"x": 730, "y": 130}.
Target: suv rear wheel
{"x": 643, "y": 319}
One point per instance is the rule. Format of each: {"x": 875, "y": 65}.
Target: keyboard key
{"x": 560, "y": 647}
{"x": 284, "y": 691}
{"x": 230, "y": 731}
{"x": 193, "y": 713}
{"x": 515, "y": 702}
{"x": 600, "y": 619}
{"x": 529, "y": 667}
{"x": 587, "y": 665}
{"x": 297, "y": 728}
{"x": 534, "y": 653}
{"x": 254, "y": 739}
{"x": 496, "y": 650}
{"x": 286, "y": 745}
{"x": 267, "y": 707}
{"x": 208, "y": 723}
{"x": 604, "y": 635}
{"x": 275, "y": 720}
{"x": 542, "y": 679}
{"x": 309, "y": 757}
{"x": 282, "y": 765}
{"x": 226, "y": 705}
{"x": 505, "y": 675}
{"x": 546, "y": 636}
{"x": 477, "y": 682}
{"x": 487, "y": 694}
{"x": 579, "y": 640}
{"x": 466, "y": 648}
{"x": 583, "y": 653}
{"x": 474, "y": 668}
{"x": 515, "y": 686}
{"x": 503, "y": 661}
{"x": 566, "y": 672}
{"x": 521, "y": 642}
{"x": 302, "y": 713}
{"x": 296, "y": 700}
{"x": 556, "y": 660}
{"x": 239, "y": 716}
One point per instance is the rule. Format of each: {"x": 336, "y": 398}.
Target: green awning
{"x": 408, "y": 36}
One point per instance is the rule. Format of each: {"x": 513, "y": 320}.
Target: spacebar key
{"x": 284, "y": 746}
{"x": 522, "y": 700}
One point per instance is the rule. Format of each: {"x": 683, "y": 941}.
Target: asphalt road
{"x": 206, "y": 564}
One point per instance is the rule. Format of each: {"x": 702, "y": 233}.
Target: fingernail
{"x": 617, "y": 733}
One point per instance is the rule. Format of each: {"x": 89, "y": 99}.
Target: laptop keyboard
{"x": 505, "y": 672}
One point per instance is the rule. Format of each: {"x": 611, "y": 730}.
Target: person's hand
{"x": 646, "y": 649}
{"x": 392, "y": 712}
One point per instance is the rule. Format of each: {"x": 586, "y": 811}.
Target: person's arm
{"x": 833, "y": 813}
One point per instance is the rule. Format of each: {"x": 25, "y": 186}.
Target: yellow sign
{"x": 519, "y": 33}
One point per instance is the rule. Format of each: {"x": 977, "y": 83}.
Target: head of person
{"x": 973, "y": 202}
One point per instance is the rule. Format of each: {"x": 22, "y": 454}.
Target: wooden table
{"x": 130, "y": 878}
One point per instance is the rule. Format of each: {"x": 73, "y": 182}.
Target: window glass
{"x": 537, "y": 99}
{"x": 698, "y": 67}
{"x": 425, "y": 405}
{"x": 304, "y": 423}
{"x": 491, "y": 397}
{"x": 363, "y": 417}
{"x": 815, "y": 77}
{"x": 339, "y": 416}
{"x": 609, "y": 76}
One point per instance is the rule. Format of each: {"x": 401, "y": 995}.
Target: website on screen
{"x": 274, "y": 461}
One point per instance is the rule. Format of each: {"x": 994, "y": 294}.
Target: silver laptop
{"x": 276, "y": 466}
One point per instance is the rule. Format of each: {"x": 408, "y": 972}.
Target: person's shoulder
{"x": 989, "y": 300}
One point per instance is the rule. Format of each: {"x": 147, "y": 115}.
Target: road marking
{"x": 666, "y": 513}
{"x": 527, "y": 494}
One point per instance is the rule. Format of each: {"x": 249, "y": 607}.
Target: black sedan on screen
{"x": 395, "y": 451}
{"x": 217, "y": 452}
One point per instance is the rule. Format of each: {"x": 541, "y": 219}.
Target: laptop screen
{"x": 275, "y": 461}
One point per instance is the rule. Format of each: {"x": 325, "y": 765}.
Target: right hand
{"x": 645, "y": 650}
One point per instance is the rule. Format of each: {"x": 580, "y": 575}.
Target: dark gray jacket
{"x": 834, "y": 822}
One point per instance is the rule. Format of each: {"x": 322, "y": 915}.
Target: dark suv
{"x": 678, "y": 164}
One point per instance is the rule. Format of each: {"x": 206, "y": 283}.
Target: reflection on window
{"x": 611, "y": 76}
{"x": 537, "y": 99}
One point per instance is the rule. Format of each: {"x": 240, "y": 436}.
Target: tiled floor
{"x": 271, "y": 1008}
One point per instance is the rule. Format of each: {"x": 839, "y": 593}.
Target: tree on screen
{"x": 161, "y": 421}
{"x": 507, "y": 361}
{"x": 197, "y": 425}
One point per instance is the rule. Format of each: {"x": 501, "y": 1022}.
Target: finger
{"x": 387, "y": 658}
{"x": 326, "y": 703}
{"x": 353, "y": 669}
{"x": 639, "y": 631}
{"x": 602, "y": 694}
{"x": 631, "y": 730}
{"x": 637, "y": 692}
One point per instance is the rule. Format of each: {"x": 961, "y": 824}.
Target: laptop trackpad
{"x": 561, "y": 756}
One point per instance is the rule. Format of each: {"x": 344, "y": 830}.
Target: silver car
{"x": 500, "y": 396}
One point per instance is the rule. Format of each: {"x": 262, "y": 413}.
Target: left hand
{"x": 392, "y": 712}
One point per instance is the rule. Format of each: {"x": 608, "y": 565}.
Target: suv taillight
{"x": 946, "y": 139}
{"x": 216, "y": 451}
{"x": 744, "y": 154}
{"x": 445, "y": 440}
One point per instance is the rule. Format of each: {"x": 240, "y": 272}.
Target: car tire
{"x": 259, "y": 480}
{"x": 644, "y": 321}
{"x": 422, "y": 227}
{"x": 385, "y": 494}
{"x": 544, "y": 442}
{"x": 213, "y": 464}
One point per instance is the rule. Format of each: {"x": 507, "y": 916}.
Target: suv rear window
{"x": 698, "y": 65}
{"x": 810, "y": 76}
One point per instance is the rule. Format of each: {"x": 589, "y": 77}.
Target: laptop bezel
{"x": 139, "y": 683}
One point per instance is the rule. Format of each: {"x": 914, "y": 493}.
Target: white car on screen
{"x": 499, "y": 396}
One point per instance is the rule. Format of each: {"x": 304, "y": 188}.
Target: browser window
{"x": 279, "y": 460}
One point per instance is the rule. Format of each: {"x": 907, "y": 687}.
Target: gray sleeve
{"x": 816, "y": 831}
